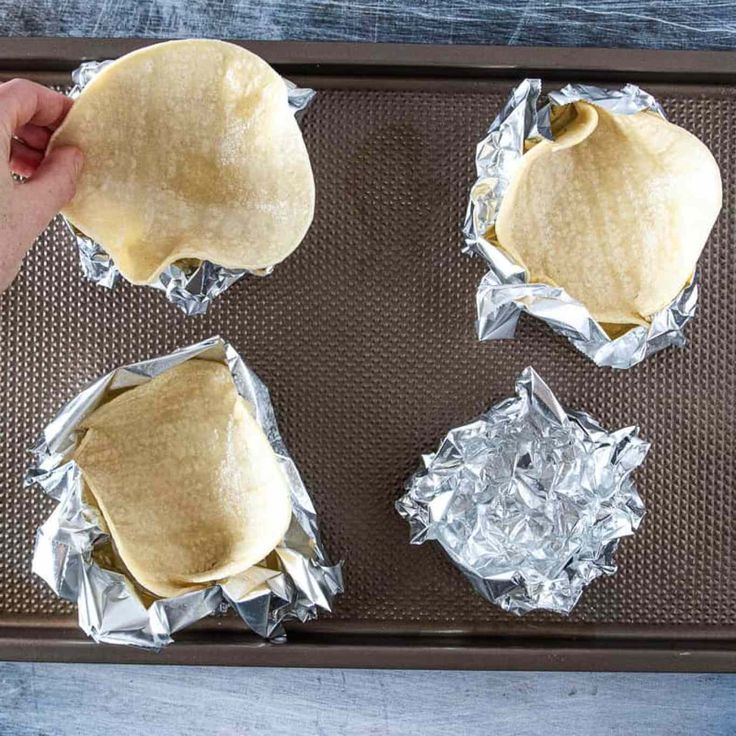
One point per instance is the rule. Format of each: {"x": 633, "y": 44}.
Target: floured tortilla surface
{"x": 616, "y": 210}
{"x": 191, "y": 151}
{"x": 185, "y": 478}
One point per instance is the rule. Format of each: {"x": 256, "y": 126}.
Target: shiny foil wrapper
{"x": 294, "y": 581}
{"x": 529, "y": 500}
{"x": 504, "y": 291}
{"x": 189, "y": 287}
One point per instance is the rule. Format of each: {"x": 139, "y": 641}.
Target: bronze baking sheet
{"x": 365, "y": 337}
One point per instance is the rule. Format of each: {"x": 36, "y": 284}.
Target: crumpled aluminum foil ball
{"x": 529, "y": 500}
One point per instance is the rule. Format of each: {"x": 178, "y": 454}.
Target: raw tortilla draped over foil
{"x": 179, "y": 463}
{"x": 186, "y": 481}
{"x": 592, "y": 212}
{"x": 195, "y": 168}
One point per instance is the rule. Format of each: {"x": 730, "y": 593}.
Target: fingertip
{"x": 77, "y": 160}
{"x": 72, "y": 157}
{"x": 54, "y": 184}
{"x": 61, "y": 168}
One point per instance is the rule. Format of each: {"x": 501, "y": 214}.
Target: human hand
{"x": 29, "y": 114}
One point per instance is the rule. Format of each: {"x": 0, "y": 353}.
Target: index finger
{"x": 23, "y": 102}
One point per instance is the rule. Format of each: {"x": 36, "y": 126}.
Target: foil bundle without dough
{"x": 529, "y": 501}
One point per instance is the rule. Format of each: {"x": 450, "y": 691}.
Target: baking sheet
{"x": 373, "y": 318}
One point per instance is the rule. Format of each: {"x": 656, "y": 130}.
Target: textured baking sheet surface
{"x": 366, "y": 339}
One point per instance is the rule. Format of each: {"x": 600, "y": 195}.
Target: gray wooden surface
{"x": 42, "y": 699}
{"x": 672, "y": 24}
{"x": 59, "y": 700}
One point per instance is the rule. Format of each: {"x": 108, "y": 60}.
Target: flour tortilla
{"x": 191, "y": 151}
{"x": 616, "y": 211}
{"x": 186, "y": 480}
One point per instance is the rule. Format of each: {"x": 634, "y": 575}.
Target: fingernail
{"x": 78, "y": 160}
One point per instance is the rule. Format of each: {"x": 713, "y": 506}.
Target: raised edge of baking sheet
{"x": 365, "y": 337}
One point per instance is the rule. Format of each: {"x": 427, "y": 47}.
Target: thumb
{"x": 52, "y": 186}
{"x": 33, "y": 204}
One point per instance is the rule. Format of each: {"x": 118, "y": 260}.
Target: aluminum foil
{"x": 191, "y": 288}
{"x": 504, "y": 292}
{"x": 529, "y": 501}
{"x": 292, "y": 585}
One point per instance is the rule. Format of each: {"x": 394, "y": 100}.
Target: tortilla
{"x": 186, "y": 480}
{"x": 616, "y": 210}
{"x": 191, "y": 151}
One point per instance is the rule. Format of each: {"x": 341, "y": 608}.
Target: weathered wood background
{"x": 61, "y": 700}
{"x": 46, "y": 700}
{"x": 706, "y": 24}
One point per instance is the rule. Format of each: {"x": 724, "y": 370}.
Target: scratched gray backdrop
{"x": 707, "y": 24}
{"x": 61, "y": 700}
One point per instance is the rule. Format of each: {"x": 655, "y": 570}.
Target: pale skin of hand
{"x": 29, "y": 114}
